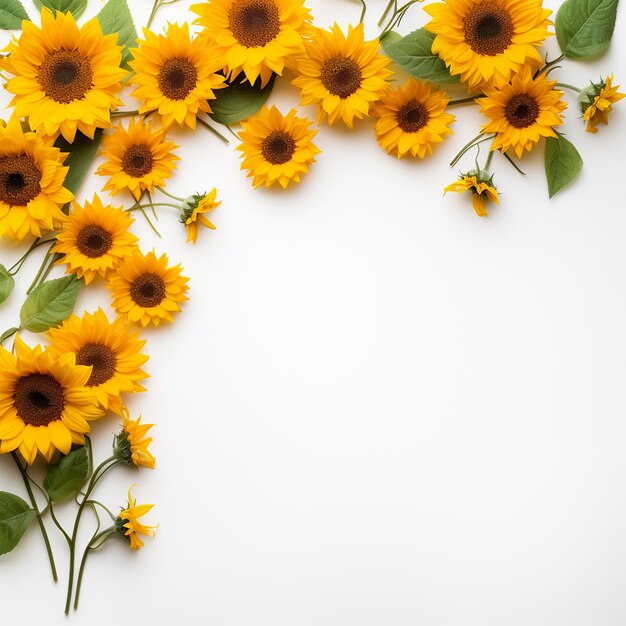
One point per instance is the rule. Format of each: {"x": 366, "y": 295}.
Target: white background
{"x": 376, "y": 409}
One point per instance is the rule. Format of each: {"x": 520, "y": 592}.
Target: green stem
{"x": 477, "y": 140}
{"x": 33, "y": 503}
{"x": 488, "y": 161}
{"x": 169, "y": 195}
{"x": 141, "y": 207}
{"x": 363, "y": 11}
{"x": 386, "y": 13}
{"x": 567, "y": 86}
{"x": 464, "y": 100}
{"x": 155, "y": 8}
{"x": 397, "y": 16}
{"x": 79, "y": 581}
{"x": 213, "y": 130}
{"x": 512, "y": 162}
{"x": 550, "y": 64}
{"x": 124, "y": 113}
{"x": 42, "y": 269}
{"x": 14, "y": 269}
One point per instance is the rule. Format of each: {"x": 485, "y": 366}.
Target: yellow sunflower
{"x": 412, "y": 119}
{"x": 138, "y": 158}
{"x": 276, "y": 147}
{"x": 112, "y": 351}
{"x": 195, "y": 210}
{"x": 145, "y": 290}
{"x": 596, "y": 102}
{"x": 486, "y": 42}
{"x": 128, "y": 525}
{"x": 343, "y": 75}
{"x": 32, "y": 175}
{"x": 45, "y": 404}
{"x": 256, "y": 37}
{"x": 481, "y": 186}
{"x": 522, "y": 112}
{"x": 95, "y": 239}
{"x": 175, "y": 75}
{"x": 131, "y": 445}
{"x": 66, "y": 78}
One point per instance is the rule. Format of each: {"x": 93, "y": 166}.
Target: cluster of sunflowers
{"x": 66, "y": 81}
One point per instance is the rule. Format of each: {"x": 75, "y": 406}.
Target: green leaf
{"x": 563, "y": 163}
{"x": 65, "y": 479}
{"x": 413, "y": 54}
{"x": 239, "y": 100}
{"x": 81, "y": 154}
{"x": 50, "y": 304}
{"x": 584, "y": 27}
{"x": 389, "y": 38}
{"x": 115, "y": 17}
{"x": 75, "y": 7}
{"x": 8, "y": 333}
{"x": 11, "y": 14}
{"x": 15, "y": 517}
{"x": 7, "y": 283}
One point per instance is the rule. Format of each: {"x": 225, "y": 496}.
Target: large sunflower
{"x": 256, "y": 37}
{"x": 145, "y": 290}
{"x": 522, "y": 112}
{"x": 277, "y": 148}
{"x": 31, "y": 183}
{"x": 175, "y": 75}
{"x": 45, "y": 404}
{"x": 412, "y": 119}
{"x": 66, "y": 78}
{"x": 138, "y": 158}
{"x": 343, "y": 74}
{"x": 488, "y": 41}
{"x": 95, "y": 239}
{"x": 110, "y": 348}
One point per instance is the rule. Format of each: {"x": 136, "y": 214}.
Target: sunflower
{"x": 343, "y": 75}
{"x": 522, "y": 112}
{"x": 277, "y": 147}
{"x": 112, "y": 351}
{"x": 256, "y": 37}
{"x": 481, "y": 186}
{"x": 131, "y": 445}
{"x": 194, "y": 213}
{"x": 138, "y": 158}
{"x": 486, "y": 42}
{"x": 95, "y": 239}
{"x": 66, "y": 78}
{"x": 45, "y": 404}
{"x": 412, "y": 119}
{"x": 596, "y": 102}
{"x": 146, "y": 290}
{"x": 128, "y": 525}
{"x": 175, "y": 75}
{"x": 32, "y": 175}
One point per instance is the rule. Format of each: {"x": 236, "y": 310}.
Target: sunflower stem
{"x": 363, "y": 11}
{"x": 386, "y": 12}
{"x": 169, "y": 195}
{"x": 397, "y": 16}
{"x": 213, "y": 130}
{"x": 477, "y": 140}
{"x": 465, "y": 100}
{"x": 36, "y": 244}
{"x": 549, "y": 64}
{"x": 141, "y": 207}
{"x": 488, "y": 161}
{"x": 124, "y": 113}
{"x": 42, "y": 268}
{"x": 105, "y": 534}
{"x": 33, "y": 502}
{"x": 513, "y": 163}
{"x": 568, "y": 86}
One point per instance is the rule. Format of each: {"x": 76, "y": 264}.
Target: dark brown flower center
{"x": 38, "y": 399}
{"x": 65, "y": 75}
{"x": 341, "y": 76}
{"x": 488, "y": 29}
{"x": 147, "y": 290}
{"x": 254, "y": 23}
{"x": 278, "y": 147}
{"x": 102, "y": 360}
{"x": 94, "y": 241}
{"x": 521, "y": 110}
{"x": 177, "y": 78}
{"x": 412, "y": 117}
{"x": 137, "y": 160}
{"x": 19, "y": 180}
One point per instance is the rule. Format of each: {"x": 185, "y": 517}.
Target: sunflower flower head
{"x": 480, "y": 183}
{"x": 194, "y": 210}
{"x": 127, "y": 523}
{"x": 131, "y": 445}
{"x": 596, "y": 102}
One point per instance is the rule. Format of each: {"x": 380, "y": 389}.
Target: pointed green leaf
{"x": 563, "y": 163}
{"x": 50, "y": 304}
{"x": 239, "y": 100}
{"x": 7, "y": 282}
{"x": 12, "y": 13}
{"x": 65, "y": 479}
{"x": 75, "y": 7}
{"x": 584, "y": 27}
{"x": 15, "y": 517}
{"x": 8, "y": 333}
{"x": 115, "y": 17}
{"x": 413, "y": 54}
{"x": 81, "y": 154}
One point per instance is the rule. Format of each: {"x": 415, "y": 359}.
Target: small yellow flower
{"x": 194, "y": 210}
{"x": 481, "y": 186}
{"x": 128, "y": 525}
{"x": 131, "y": 445}
{"x": 596, "y": 102}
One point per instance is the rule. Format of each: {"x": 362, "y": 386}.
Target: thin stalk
{"x": 464, "y": 100}
{"x": 476, "y": 141}
{"x": 124, "y": 113}
{"x": 42, "y": 268}
{"x": 512, "y": 162}
{"x": 103, "y": 536}
{"x": 169, "y": 195}
{"x": 567, "y": 86}
{"x": 140, "y": 207}
{"x": 386, "y": 13}
{"x": 548, "y": 65}
{"x": 213, "y": 130}
{"x": 36, "y": 244}
{"x": 488, "y": 161}
{"x": 363, "y": 11}
{"x": 155, "y": 7}
{"x": 397, "y": 16}
{"x": 33, "y": 503}
{"x": 152, "y": 226}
